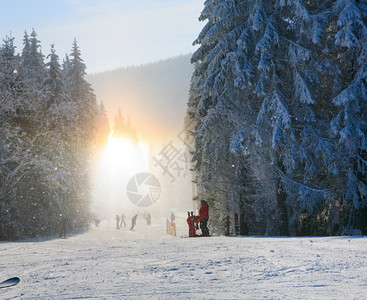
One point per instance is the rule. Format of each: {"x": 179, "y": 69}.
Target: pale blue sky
{"x": 110, "y": 33}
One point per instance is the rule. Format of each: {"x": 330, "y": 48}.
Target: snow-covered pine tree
{"x": 54, "y": 82}
{"x": 9, "y": 80}
{"x": 280, "y": 54}
{"x": 32, "y": 59}
{"x": 18, "y": 158}
{"x": 27, "y": 208}
{"x": 60, "y": 125}
{"x": 80, "y": 90}
{"x": 348, "y": 126}
{"x": 213, "y": 104}
{"x": 83, "y": 122}
{"x": 66, "y": 66}
{"x": 44, "y": 158}
{"x": 31, "y": 73}
{"x": 277, "y": 72}
{"x": 14, "y": 159}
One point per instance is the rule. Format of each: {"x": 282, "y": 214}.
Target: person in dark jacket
{"x": 203, "y": 218}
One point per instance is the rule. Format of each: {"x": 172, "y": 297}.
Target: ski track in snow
{"x": 105, "y": 263}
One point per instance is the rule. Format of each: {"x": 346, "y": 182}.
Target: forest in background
{"x": 50, "y": 124}
{"x": 52, "y": 129}
{"x": 278, "y": 98}
{"x": 282, "y": 85}
{"x": 153, "y": 96}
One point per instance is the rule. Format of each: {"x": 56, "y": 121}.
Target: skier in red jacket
{"x": 203, "y": 218}
{"x": 191, "y": 222}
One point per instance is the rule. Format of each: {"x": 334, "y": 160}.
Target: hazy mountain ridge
{"x": 154, "y": 95}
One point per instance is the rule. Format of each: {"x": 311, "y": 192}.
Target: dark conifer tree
{"x": 281, "y": 85}
{"x": 45, "y": 139}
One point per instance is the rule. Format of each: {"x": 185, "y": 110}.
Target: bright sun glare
{"x": 120, "y": 161}
{"x": 122, "y": 152}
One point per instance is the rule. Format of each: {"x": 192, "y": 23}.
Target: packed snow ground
{"x": 106, "y": 263}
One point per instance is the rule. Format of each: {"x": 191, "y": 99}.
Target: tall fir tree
{"x": 348, "y": 126}
{"x": 85, "y": 111}
{"x": 54, "y": 82}
{"x": 45, "y": 142}
{"x": 262, "y": 82}
{"x": 32, "y": 59}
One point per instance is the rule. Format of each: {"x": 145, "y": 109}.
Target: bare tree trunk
{"x": 242, "y": 223}
{"x": 236, "y": 225}
{"x": 282, "y": 208}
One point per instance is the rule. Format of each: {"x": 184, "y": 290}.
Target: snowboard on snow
{"x": 9, "y": 282}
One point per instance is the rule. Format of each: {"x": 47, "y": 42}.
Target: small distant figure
{"x": 148, "y": 218}
{"x": 117, "y": 222}
{"x": 96, "y": 222}
{"x": 64, "y": 226}
{"x": 133, "y": 222}
{"x": 122, "y": 221}
{"x": 191, "y": 222}
{"x": 172, "y": 217}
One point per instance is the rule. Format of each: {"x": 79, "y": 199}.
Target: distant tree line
{"x": 279, "y": 99}
{"x": 146, "y": 93}
{"x": 49, "y": 122}
{"x": 124, "y": 129}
